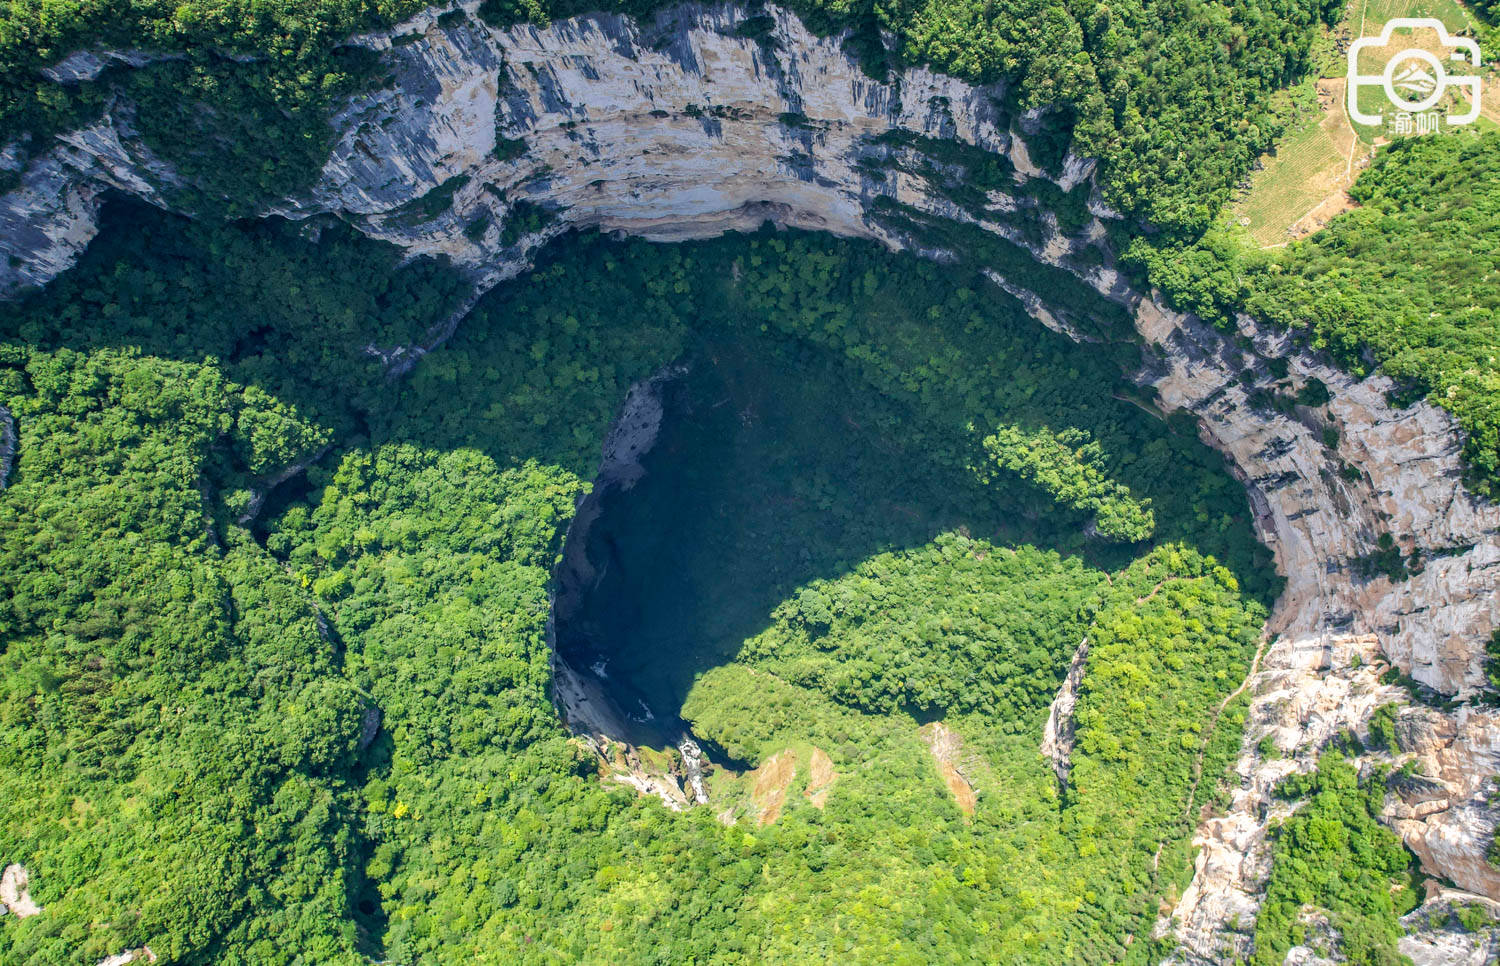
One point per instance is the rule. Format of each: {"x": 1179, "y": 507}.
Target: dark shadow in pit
{"x": 773, "y": 466}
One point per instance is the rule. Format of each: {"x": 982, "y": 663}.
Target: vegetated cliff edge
{"x": 706, "y": 119}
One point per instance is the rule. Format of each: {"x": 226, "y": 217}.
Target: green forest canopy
{"x": 183, "y": 696}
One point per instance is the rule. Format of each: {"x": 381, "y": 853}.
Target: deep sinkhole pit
{"x": 756, "y": 464}
{"x": 771, "y": 466}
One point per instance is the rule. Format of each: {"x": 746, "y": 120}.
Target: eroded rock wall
{"x": 1322, "y": 504}
{"x": 670, "y": 129}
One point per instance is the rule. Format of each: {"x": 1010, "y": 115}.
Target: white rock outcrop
{"x": 15, "y": 894}
{"x": 1435, "y": 939}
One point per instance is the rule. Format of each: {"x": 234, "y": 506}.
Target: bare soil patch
{"x": 820, "y": 778}
{"x": 769, "y": 782}
{"x": 947, "y": 753}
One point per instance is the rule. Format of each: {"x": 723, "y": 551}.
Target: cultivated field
{"x": 1300, "y": 186}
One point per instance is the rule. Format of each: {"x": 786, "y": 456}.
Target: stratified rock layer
{"x": 682, "y": 128}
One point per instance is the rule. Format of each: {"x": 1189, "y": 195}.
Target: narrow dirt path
{"x": 1260, "y": 651}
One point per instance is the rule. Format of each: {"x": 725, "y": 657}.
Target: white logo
{"x": 1414, "y": 79}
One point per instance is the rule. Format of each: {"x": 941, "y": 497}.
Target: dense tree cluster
{"x": 1004, "y": 621}
{"x": 1334, "y": 858}
{"x": 187, "y": 701}
{"x": 1068, "y": 466}
{"x": 175, "y": 733}
{"x": 1038, "y": 876}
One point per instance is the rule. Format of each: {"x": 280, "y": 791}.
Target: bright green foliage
{"x": 1334, "y": 856}
{"x": 274, "y": 435}
{"x": 1069, "y": 466}
{"x": 175, "y": 733}
{"x": 1382, "y": 728}
{"x": 1007, "y": 619}
{"x": 1052, "y": 879}
{"x": 1471, "y": 916}
{"x": 182, "y": 697}
{"x": 1413, "y": 278}
{"x": 1408, "y": 282}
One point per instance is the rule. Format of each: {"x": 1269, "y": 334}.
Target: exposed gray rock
{"x": 369, "y": 726}
{"x": 1435, "y": 939}
{"x": 9, "y": 442}
{"x": 1057, "y": 734}
{"x": 1447, "y": 812}
{"x": 141, "y": 954}
{"x": 587, "y": 708}
{"x": 15, "y": 895}
{"x": 629, "y": 438}
{"x": 86, "y": 65}
{"x": 263, "y": 487}
{"x": 45, "y": 223}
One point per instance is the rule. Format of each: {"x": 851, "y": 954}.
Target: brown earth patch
{"x": 1326, "y": 210}
{"x": 947, "y": 750}
{"x": 820, "y": 778}
{"x": 769, "y": 782}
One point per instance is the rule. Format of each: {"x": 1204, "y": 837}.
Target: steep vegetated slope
{"x": 177, "y": 731}
{"x": 1334, "y": 856}
{"x": 325, "y": 731}
{"x": 356, "y": 666}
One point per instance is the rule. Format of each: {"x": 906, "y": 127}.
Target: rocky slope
{"x": 703, "y": 120}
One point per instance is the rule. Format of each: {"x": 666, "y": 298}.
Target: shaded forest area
{"x": 187, "y": 689}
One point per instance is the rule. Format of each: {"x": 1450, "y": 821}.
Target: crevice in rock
{"x": 1057, "y": 735}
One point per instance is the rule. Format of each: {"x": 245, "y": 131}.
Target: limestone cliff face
{"x": 672, "y": 129}
{"x": 1322, "y": 510}
{"x": 701, "y": 121}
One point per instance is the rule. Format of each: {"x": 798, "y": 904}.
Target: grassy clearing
{"x": 1297, "y": 189}
{"x": 1300, "y": 185}
{"x": 1453, "y": 14}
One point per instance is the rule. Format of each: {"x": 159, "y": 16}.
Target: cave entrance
{"x": 773, "y": 465}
